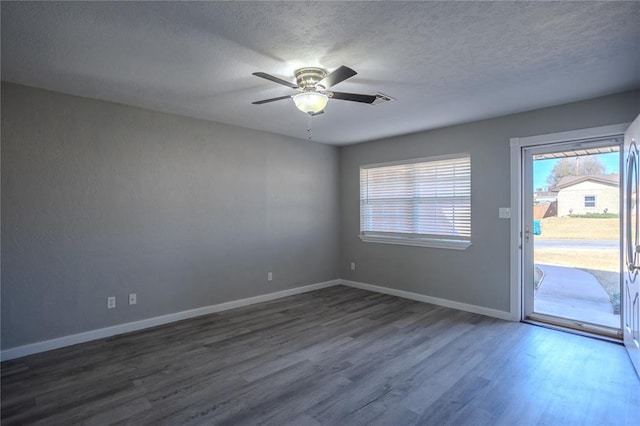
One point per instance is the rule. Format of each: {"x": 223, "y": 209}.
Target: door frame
{"x": 517, "y": 219}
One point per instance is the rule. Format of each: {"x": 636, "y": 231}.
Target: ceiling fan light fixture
{"x": 311, "y": 102}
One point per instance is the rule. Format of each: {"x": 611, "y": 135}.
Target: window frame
{"x": 420, "y": 240}
{"x": 585, "y": 202}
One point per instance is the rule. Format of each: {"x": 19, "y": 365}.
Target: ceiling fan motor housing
{"x": 313, "y": 83}
{"x": 307, "y": 78}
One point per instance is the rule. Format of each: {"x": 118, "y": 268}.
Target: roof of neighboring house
{"x": 567, "y": 181}
{"x": 545, "y": 194}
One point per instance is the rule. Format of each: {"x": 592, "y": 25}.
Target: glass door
{"x": 571, "y": 235}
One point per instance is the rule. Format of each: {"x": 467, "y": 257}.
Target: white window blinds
{"x": 421, "y": 200}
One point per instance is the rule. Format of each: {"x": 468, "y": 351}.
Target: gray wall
{"x": 101, "y": 199}
{"x": 480, "y": 274}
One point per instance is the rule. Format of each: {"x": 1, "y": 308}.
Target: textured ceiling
{"x": 444, "y": 62}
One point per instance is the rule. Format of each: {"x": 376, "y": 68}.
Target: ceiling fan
{"x": 313, "y": 84}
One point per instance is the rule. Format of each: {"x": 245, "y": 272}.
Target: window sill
{"x": 418, "y": 242}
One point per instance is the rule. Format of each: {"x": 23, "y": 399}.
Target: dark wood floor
{"x": 338, "y": 356}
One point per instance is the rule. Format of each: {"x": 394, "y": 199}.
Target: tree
{"x": 575, "y": 166}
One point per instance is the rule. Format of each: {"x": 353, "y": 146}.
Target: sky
{"x": 542, "y": 168}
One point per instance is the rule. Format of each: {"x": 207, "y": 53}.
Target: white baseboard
{"x": 429, "y": 299}
{"x": 101, "y": 333}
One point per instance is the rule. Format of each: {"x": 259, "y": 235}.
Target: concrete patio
{"x": 575, "y": 294}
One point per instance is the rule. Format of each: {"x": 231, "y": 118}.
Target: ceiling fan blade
{"x": 366, "y": 99}
{"x": 341, "y": 74}
{"x": 275, "y": 79}
{"x": 266, "y": 101}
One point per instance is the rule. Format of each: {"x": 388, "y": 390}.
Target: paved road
{"x": 578, "y": 244}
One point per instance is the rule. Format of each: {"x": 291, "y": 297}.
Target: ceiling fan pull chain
{"x": 309, "y": 133}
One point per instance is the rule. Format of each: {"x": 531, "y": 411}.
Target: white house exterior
{"x": 588, "y": 194}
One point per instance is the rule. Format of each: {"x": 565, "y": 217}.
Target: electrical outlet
{"x": 270, "y": 276}
{"x": 353, "y": 266}
{"x": 111, "y": 302}
{"x": 133, "y": 299}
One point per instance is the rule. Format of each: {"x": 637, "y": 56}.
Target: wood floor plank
{"x": 334, "y": 356}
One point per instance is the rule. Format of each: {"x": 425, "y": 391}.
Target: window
{"x": 589, "y": 200}
{"x": 423, "y": 202}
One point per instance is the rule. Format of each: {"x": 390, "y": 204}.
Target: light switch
{"x": 504, "y": 213}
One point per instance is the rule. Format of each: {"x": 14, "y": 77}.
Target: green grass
{"x": 594, "y": 216}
